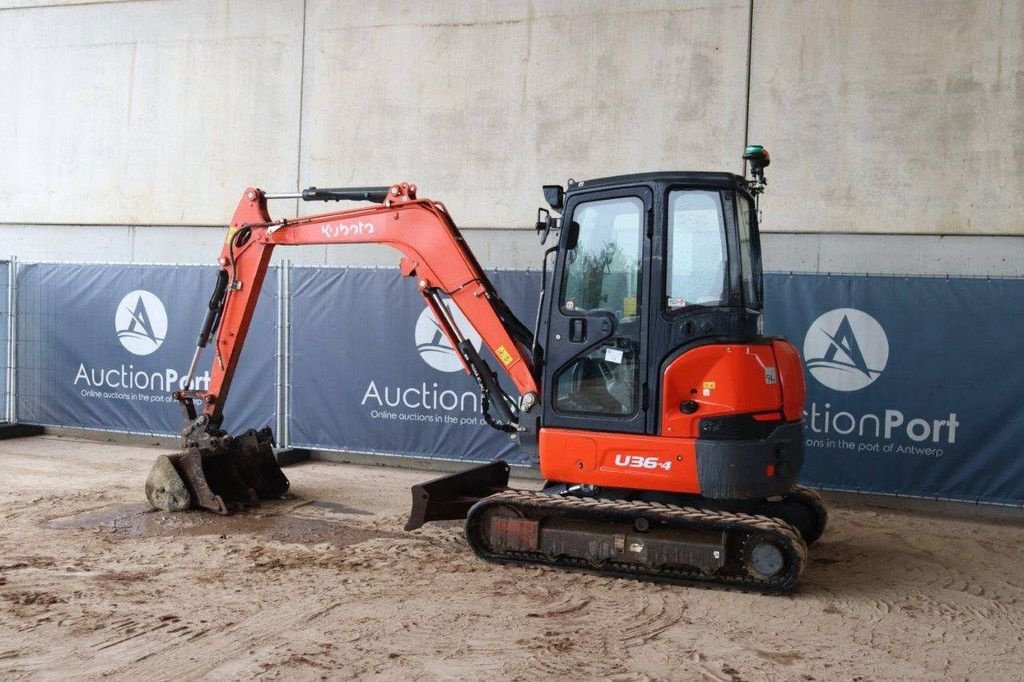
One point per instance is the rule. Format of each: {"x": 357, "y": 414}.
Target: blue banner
{"x": 372, "y": 372}
{"x": 914, "y": 386}
{"x": 103, "y": 347}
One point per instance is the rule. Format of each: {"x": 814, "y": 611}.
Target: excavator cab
{"x": 648, "y": 265}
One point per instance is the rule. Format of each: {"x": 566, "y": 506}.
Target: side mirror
{"x": 544, "y": 224}
{"x": 555, "y": 196}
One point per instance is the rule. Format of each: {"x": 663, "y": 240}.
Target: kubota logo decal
{"x": 338, "y": 230}
{"x": 141, "y": 322}
{"x": 434, "y": 347}
{"x": 846, "y": 349}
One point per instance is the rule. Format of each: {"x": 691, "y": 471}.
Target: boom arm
{"x": 434, "y": 253}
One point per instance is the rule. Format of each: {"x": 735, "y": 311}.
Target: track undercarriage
{"x": 675, "y": 542}
{"x": 644, "y": 540}
{"x": 801, "y": 507}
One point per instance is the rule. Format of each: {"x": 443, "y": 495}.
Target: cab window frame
{"x": 755, "y": 278}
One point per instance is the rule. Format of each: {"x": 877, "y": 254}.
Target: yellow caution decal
{"x": 709, "y": 384}
{"x": 232, "y": 229}
{"x": 503, "y": 355}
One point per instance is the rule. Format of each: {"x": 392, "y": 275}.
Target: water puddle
{"x": 312, "y": 523}
{"x": 339, "y": 508}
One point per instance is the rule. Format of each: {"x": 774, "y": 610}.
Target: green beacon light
{"x": 758, "y": 158}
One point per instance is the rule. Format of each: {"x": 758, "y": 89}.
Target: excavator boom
{"x": 215, "y": 470}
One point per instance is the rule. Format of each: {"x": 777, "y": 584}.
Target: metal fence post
{"x": 284, "y": 283}
{"x": 12, "y": 340}
{"x": 279, "y": 427}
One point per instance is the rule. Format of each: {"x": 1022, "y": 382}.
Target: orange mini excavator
{"x": 667, "y": 427}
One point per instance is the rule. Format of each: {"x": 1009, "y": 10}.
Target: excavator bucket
{"x": 450, "y": 497}
{"x": 232, "y": 473}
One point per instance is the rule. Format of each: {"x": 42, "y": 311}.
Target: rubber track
{"x": 525, "y": 500}
{"x": 815, "y": 500}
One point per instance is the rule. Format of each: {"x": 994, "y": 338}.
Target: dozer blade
{"x": 450, "y": 497}
{"x": 228, "y": 475}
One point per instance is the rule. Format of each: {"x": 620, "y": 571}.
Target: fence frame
{"x": 11, "y": 412}
{"x": 284, "y": 356}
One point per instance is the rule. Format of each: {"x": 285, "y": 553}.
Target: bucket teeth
{"x": 224, "y": 475}
{"x": 255, "y": 460}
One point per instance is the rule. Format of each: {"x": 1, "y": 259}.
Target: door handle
{"x": 577, "y": 330}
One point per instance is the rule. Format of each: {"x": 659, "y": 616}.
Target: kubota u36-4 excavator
{"x": 668, "y": 429}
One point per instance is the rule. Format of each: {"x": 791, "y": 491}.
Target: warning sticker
{"x": 503, "y": 355}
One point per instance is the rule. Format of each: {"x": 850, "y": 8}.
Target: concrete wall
{"x": 883, "y": 116}
{"x": 146, "y": 112}
{"x": 480, "y": 103}
{"x": 149, "y": 118}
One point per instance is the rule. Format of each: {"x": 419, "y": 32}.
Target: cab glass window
{"x": 696, "y": 250}
{"x": 602, "y": 381}
{"x": 750, "y": 259}
{"x": 602, "y": 271}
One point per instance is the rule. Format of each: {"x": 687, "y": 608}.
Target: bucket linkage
{"x": 214, "y": 470}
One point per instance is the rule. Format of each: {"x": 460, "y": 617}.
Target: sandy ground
{"x": 326, "y": 585}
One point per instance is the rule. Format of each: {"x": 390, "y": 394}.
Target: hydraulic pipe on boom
{"x": 219, "y": 472}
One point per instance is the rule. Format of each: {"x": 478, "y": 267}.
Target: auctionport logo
{"x": 432, "y": 344}
{"x": 846, "y": 349}
{"x": 141, "y": 322}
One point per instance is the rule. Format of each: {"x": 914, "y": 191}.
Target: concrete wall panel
{"x": 882, "y": 116}
{"x": 24, "y": 4}
{"x": 517, "y": 249}
{"x": 153, "y": 112}
{"x": 480, "y": 103}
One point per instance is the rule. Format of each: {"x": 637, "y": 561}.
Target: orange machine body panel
{"x": 720, "y": 379}
{"x": 791, "y": 374}
{"x": 619, "y": 460}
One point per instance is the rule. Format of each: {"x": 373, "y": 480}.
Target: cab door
{"x": 595, "y": 372}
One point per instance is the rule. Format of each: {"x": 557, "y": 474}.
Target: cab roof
{"x": 723, "y": 180}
